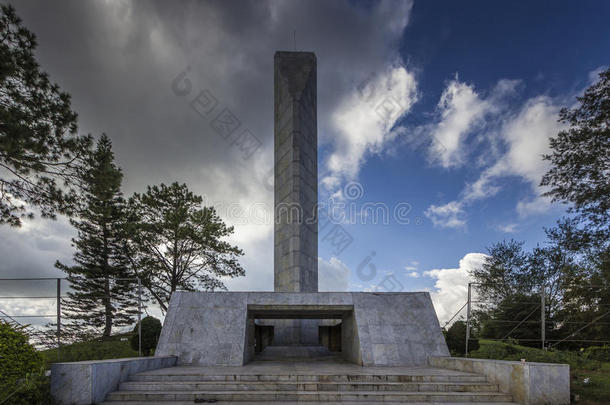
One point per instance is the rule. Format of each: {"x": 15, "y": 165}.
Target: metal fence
{"x": 37, "y": 325}
{"x": 536, "y": 317}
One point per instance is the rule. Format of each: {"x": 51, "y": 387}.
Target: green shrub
{"x": 456, "y": 339}
{"x": 20, "y": 363}
{"x": 151, "y": 329}
{"x": 113, "y": 347}
{"x": 35, "y": 389}
{"x": 600, "y": 353}
{"x": 504, "y": 351}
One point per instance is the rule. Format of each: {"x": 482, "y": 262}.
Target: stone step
{"x": 308, "y": 386}
{"x": 372, "y": 378}
{"x": 359, "y": 396}
{"x": 295, "y": 403}
{"x": 297, "y": 353}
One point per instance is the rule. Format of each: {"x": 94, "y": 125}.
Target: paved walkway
{"x": 327, "y": 367}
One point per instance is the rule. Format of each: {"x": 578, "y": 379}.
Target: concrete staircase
{"x": 178, "y": 385}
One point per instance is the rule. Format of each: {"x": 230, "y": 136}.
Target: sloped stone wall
{"x": 378, "y": 329}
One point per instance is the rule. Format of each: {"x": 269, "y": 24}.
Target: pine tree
{"x": 40, "y": 152}
{"x": 103, "y": 294}
{"x": 175, "y": 242}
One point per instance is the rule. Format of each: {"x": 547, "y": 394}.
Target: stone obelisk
{"x": 234, "y": 328}
{"x": 296, "y": 173}
{"x": 296, "y": 187}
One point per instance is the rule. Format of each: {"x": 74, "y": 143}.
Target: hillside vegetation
{"x": 590, "y": 377}
{"x": 113, "y": 347}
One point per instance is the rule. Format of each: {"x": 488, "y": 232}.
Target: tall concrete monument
{"x": 296, "y": 173}
{"x": 232, "y": 328}
{"x": 295, "y": 263}
{"x": 304, "y": 340}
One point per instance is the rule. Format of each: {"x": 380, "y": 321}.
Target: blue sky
{"x": 475, "y": 87}
{"x": 550, "y": 49}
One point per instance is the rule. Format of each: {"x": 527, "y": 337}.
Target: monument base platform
{"x": 376, "y": 329}
{"x": 334, "y": 381}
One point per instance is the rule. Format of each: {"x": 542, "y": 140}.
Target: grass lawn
{"x": 595, "y": 391}
{"x": 114, "y": 347}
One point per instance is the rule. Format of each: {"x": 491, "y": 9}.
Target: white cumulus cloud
{"x": 526, "y": 137}
{"x": 517, "y": 145}
{"x": 364, "y": 118}
{"x": 450, "y": 215}
{"x": 461, "y": 109}
{"x": 451, "y": 286}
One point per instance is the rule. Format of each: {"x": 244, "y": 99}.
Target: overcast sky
{"x": 439, "y": 109}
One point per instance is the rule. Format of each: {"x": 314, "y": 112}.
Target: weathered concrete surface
{"x": 296, "y": 173}
{"x": 207, "y": 328}
{"x": 296, "y": 187}
{"x": 315, "y": 382}
{"x": 529, "y": 383}
{"x": 88, "y": 382}
{"x": 384, "y": 329}
{"x": 397, "y": 328}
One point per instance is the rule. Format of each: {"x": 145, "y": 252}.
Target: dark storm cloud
{"x": 118, "y": 60}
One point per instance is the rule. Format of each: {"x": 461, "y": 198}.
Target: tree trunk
{"x": 107, "y": 307}
{"x": 106, "y": 301}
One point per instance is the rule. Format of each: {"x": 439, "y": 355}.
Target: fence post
{"x": 139, "y": 317}
{"x": 542, "y": 317}
{"x": 468, "y": 319}
{"x": 58, "y": 318}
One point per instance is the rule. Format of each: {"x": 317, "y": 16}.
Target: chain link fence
{"x": 37, "y": 306}
{"x": 537, "y": 320}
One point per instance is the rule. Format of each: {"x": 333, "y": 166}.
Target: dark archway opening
{"x": 330, "y": 337}
{"x": 263, "y": 337}
{"x": 301, "y": 332}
